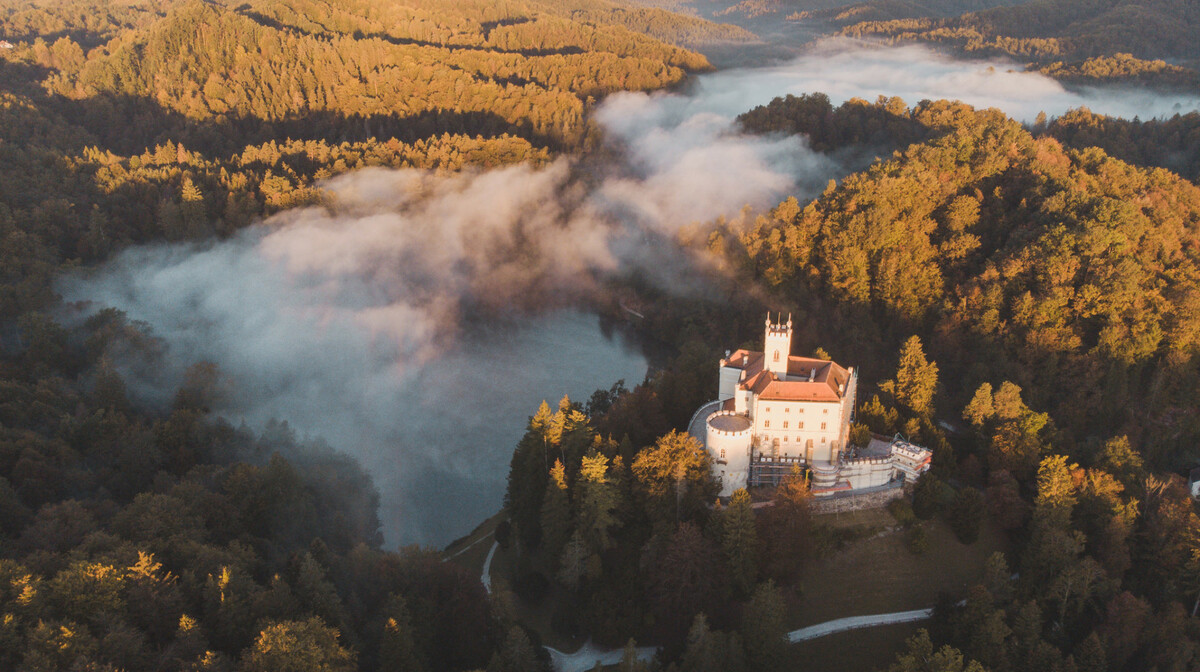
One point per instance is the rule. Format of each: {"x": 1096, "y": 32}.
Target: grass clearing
{"x": 879, "y": 575}
{"x": 470, "y": 551}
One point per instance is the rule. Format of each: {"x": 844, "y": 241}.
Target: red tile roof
{"x": 815, "y": 379}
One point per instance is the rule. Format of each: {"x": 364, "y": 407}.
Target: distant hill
{"x": 1152, "y": 41}
{"x": 430, "y": 65}
{"x": 846, "y": 13}
{"x": 125, "y": 121}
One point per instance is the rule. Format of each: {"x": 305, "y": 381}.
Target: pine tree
{"x": 597, "y": 501}
{"x": 556, "y": 513}
{"x": 764, "y": 629}
{"x": 980, "y": 408}
{"x": 711, "y": 650}
{"x": 516, "y": 654}
{"x": 916, "y": 379}
{"x": 739, "y": 541}
{"x": 966, "y": 514}
{"x": 397, "y": 649}
{"x": 574, "y": 563}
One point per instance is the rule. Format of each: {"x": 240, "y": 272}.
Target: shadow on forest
{"x": 129, "y": 125}
{"x": 488, "y": 27}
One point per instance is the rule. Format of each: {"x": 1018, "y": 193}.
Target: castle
{"x": 775, "y": 410}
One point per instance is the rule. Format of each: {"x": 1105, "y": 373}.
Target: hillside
{"x": 1068, "y": 272}
{"x": 1149, "y": 41}
{"x": 129, "y": 122}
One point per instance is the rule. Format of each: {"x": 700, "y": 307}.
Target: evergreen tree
{"x": 916, "y": 379}
{"x": 573, "y": 567}
{"x": 598, "y": 499}
{"x": 966, "y": 514}
{"x": 739, "y": 541}
{"x": 927, "y": 496}
{"x": 711, "y": 650}
{"x": 764, "y": 629}
{"x": 397, "y": 646}
{"x": 516, "y": 654}
{"x": 787, "y": 525}
{"x": 556, "y": 513}
{"x": 919, "y": 656}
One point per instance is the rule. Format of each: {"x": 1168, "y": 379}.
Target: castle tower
{"x": 777, "y": 346}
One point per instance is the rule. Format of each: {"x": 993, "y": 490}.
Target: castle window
{"x": 824, "y": 410}
{"x": 722, "y": 453}
{"x": 822, "y": 425}
{"x": 822, "y": 439}
{"x": 800, "y": 425}
{"x": 785, "y": 424}
{"x": 777, "y": 355}
{"x": 797, "y": 439}
{"x": 766, "y": 423}
{"x": 785, "y": 439}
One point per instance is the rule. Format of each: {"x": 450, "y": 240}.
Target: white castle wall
{"x": 867, "y": 472}
{"x": 730, "y": 451}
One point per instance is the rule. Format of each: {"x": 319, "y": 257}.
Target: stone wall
{"x": 856, "y": 502}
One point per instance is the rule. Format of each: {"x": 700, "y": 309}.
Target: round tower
{"x": 728, "y": 437}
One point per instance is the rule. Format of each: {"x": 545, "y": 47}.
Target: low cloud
{"x": 843, "y": 68}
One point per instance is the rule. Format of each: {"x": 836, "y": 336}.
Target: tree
{"x": 1118, "y": 458}
{"x": 1004, "y": 500}
{"x": 786, "y": 527}
{"x": 397, "y": 647}
{"x": 764, "y": 629}
{"x": 966, "y": 514}
{"x": 683, "y": 581}
{"x": 297, "y": 645}
{"x": 916, "y": 379}
{"x": 556, "y": 513}
{"x": 573, "y": 567}
{"x": 980, "y": 408}
{"x": 1090, "y": 656}
{"x": 919, "y": 656}
{"x": 516, "y": 654}
{"x": 675, "y": 478}
{"x": 739, "y": 541}
{"x": 927, "y": 496}
{"x": 1056, "y": 495}
{"x": 598, "y": 499}
{"x": 711, "y": 651}
{"x": 631, "y": 660}
{"x": 1053, "y": 546}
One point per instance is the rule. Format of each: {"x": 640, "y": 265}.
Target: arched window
{"x": 777, "y": 355}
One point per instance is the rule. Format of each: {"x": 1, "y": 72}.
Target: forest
{"x": 1097, "y": 41}
{"x": 134, "y": 538}
{"x": 1025, "y": 301}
